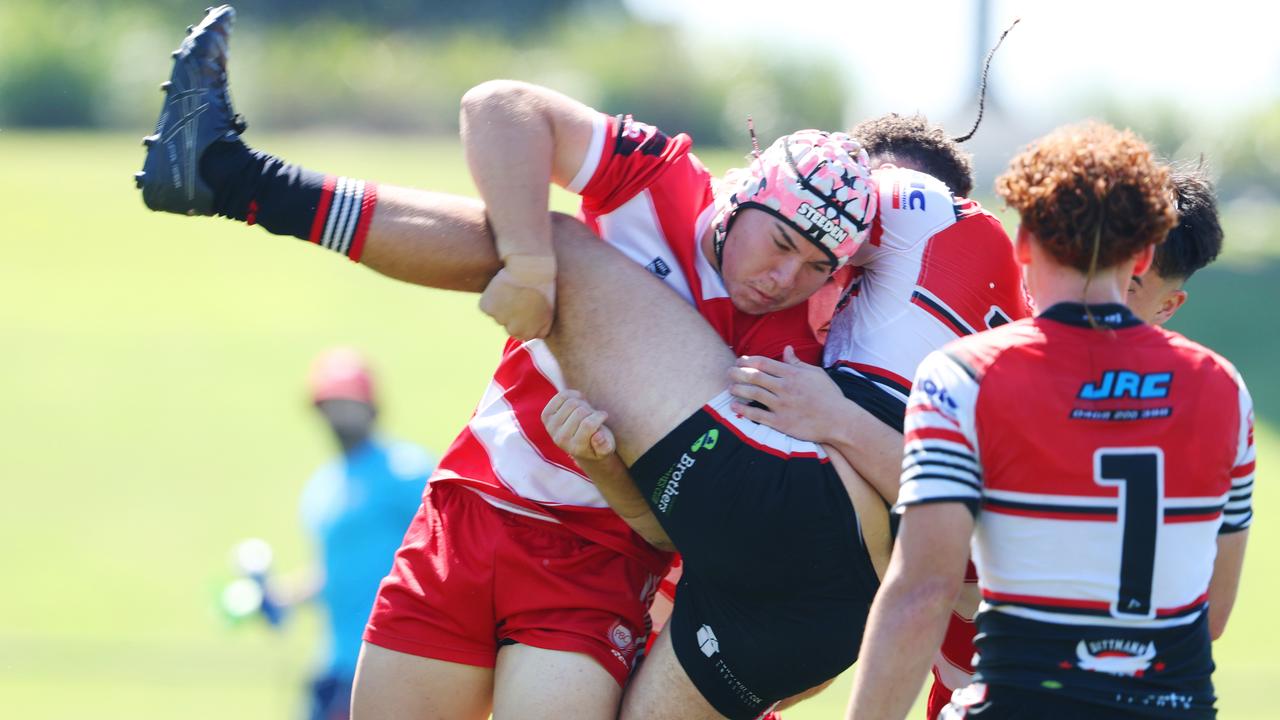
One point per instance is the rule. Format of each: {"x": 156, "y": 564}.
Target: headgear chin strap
{"x": 818, "y": 183}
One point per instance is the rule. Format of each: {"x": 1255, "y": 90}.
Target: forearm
{"x": 1225, "y": 582}
{"x": 614, "y": 482}
{"x": 904, "y": 631}
{"x": 873, "y": 448}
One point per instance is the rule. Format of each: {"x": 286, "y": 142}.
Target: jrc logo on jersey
{"x": 1125, "y": 383}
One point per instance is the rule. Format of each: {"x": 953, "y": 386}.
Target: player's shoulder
{"x": 979, "y": 352}
{"x": 912, "y": 205}
{"x": 1198, "y": 356}
{"x": 626, "y": 157}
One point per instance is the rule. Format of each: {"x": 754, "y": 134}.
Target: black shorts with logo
{"x": 777, "y": 583}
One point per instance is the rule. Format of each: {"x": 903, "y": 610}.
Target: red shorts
{"x": 470, "y": 577}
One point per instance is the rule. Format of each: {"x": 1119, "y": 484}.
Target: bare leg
{"x": 661, "y": 690}
{"x": 395, "y": 686}
{"x": 431, "y": 239}
{"x": 538, "y": 684}
{"x": 631, "y": 345}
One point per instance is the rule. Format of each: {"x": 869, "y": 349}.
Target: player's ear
{"x": 1143, "y": 260}
{"x": 1022, "y": 246}
{"x": 1169, "y": 306}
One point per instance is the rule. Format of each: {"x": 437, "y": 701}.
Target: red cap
{"x": 340, "y": 374}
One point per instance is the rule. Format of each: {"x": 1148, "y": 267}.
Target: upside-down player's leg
{"x": 759, "y": 616}
{"x": 196, "y": 164}
{"x": 630, "y": 344}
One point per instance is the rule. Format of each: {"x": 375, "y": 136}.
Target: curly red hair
{"x": 1092, "y": 195}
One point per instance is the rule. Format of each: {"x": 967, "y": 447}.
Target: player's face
{"x": 1155, "y": 298}
{"x": 768, "y": 266}
{"x": 351, "y": 420}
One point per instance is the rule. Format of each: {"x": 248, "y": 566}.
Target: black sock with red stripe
{"x": 287, "y": 199}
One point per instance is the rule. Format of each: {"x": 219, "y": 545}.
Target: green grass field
{"x": 153, "y": 412}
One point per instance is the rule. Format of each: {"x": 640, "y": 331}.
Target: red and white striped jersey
{"x": 935, "y": 268}
{"x": 647, "y": 195}
{"x": 1101, "y": 465}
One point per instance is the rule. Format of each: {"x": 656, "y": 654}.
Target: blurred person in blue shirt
{"x": 356, "y": 507}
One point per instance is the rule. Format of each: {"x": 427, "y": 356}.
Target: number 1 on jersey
{"x": 1139, "y": 474}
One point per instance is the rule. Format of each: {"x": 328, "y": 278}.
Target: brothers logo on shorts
{"x": 1115, "y": 656}
{"x": 707, "y": 441}
{"x": 658, "y": 267}
{"x": 707, "y": 641}
{"x": 668, "y": 486}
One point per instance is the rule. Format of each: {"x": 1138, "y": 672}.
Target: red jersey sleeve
{"x": 632, "y": 156}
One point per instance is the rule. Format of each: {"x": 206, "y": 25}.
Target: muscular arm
{"x": 1226, "y": 580}
{"x": 579, "y": 429}
{"x": 519, "y": 138}
{"x": 909, "y": 615}
{"x": 873, "y": 448}
{"x": 616, "y": 486}
{"x": 802, "y": 401}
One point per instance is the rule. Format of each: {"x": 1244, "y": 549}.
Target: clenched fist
{"x": 522, "y": 296}
{"x": 577, "y": 428}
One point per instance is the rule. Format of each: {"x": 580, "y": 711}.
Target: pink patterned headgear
{"x": 817, "y": 182}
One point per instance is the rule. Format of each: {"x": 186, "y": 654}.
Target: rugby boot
{"x": 197, "y": 113}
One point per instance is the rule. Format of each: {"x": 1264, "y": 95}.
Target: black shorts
{"x": 1004, "y": 702}
{"x": 777, "y": 582}
{"x": 870, "y": 396}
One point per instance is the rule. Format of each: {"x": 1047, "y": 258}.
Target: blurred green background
{"x": 152, "y": 403}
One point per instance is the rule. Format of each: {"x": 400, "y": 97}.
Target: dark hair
{"x": 1091, "y": 195}
{"x": 912, "y": 142}
{"x": 1197, "y": 238}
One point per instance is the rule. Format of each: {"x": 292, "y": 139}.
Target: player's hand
{"x": 799, "y": 398}
{"x": 577, "y": 428}
{"x": 522, "y": 296}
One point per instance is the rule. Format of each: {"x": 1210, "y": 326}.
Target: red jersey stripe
{"x": 936, "y": 434}
{"x": 1243, "y": 470}
{"x": 518, "y": 370}
{"x": 1043, "y": 600}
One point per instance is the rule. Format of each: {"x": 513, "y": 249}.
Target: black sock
{"x": 287, "y": 199}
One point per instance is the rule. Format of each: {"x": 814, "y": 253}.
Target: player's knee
{"x": 491, "y": 95}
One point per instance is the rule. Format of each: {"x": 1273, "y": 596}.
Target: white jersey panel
{"x": 517, "y": 461}
{"x": 880, "y": 326}
{"x": 635, "y": 230}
